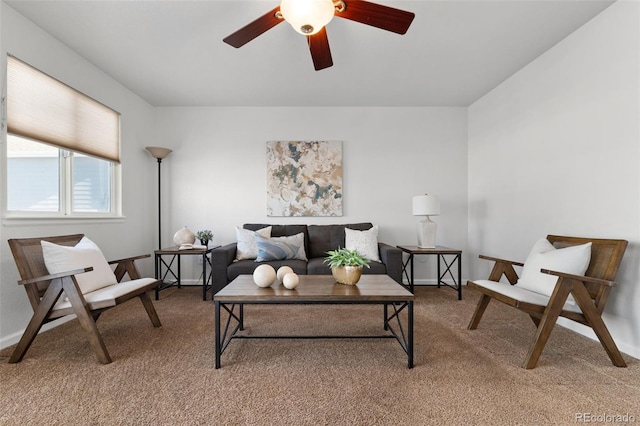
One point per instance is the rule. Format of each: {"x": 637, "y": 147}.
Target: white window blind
{"x": 41, "y": 108}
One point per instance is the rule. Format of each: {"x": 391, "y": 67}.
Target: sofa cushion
{"x": 281, "y": 248}
{"x": 316, "y": 266}
{"x": 247, "y": 246}
{"x": 363, "y": 242}
{"x": 323, "y": 238}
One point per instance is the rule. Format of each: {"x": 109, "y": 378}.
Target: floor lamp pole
{"x": 159, "y": 207}
{"x": 159, "y": 153}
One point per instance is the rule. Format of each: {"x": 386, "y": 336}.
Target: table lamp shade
{"x": 426, "y": 205}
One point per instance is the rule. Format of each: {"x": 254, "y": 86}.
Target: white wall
{"x": 555, "y": 150}
{"x": 217, "y": 172}
{"x": 133, "y": 235}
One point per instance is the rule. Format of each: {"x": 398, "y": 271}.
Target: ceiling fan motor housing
{"x": 307, "y": 16}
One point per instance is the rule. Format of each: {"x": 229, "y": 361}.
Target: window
{"x": 62, "y": 151}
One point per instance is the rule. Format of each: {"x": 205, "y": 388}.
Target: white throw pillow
{"x": 364, "y": 242}
{"x": 571, "y": 260}
{"x": 86, "y": 253}
{"x": 247, "y": 246}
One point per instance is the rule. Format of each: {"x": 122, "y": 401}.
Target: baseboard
{"x": 14, "y": 338}
{"x": 583, "y": 330}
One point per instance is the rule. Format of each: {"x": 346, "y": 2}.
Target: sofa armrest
{"x": 392, "y": 258}
{"x": 221, "y": 258}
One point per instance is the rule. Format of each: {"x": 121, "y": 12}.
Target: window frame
{"x": 65, "y": 214}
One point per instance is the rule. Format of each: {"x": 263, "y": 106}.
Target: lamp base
{"x": 427, "y": 233}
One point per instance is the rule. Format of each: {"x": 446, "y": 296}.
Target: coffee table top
{"x": 315, "y": 288}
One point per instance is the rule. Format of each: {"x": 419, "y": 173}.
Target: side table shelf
{"x": 454, "y": 256}
{"x": 175, "y": 254}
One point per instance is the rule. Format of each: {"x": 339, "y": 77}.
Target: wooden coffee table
{"x": 321, "y": 290}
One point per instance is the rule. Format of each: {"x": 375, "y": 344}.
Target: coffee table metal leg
{"x": 410, "y": 335}
{"x": 218, "y": 335}
{"x": 386, "y": 316}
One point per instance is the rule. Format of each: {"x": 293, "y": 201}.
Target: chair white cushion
{"x": 523, "y": 295}
{"x": 86, "y": 253}
{"x": 543, "y": 255}
{"x": 364, "y": 242}
{"x": 107, "y": 296}
{"x": 247, "y": 247}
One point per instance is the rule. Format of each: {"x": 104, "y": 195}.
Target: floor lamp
{"x": 159, "y": 153}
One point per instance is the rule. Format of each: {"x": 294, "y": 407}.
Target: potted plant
{"x": 346, "y": 265}
{"x": 204, "y": 236}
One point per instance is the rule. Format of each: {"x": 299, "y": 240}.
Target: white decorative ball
{"x": 282, "y": 271}
{"x": 264, "y": 275}
{"x": 291, "y": 280}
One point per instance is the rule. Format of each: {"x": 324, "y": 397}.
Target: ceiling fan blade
{"x": 252, "y": 30}
{"x": 320, "y": 51}
{"x": 377, "y": 15}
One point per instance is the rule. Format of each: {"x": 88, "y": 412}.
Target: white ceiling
{"x": 171, "y": 52}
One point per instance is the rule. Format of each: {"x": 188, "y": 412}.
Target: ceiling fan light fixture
{"x": 307, "y": 16}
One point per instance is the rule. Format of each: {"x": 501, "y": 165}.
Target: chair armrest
{"x": 495, "y": 259}
{"x": 129, "y": 259}
{"x": 582, "y": 278}
{"x": 127, "y": 266}
{"x": 55, "y": 276}
{"x": 392, "y": 258}
{"x": 502, "y": 267}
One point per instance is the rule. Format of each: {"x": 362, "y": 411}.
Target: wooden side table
{"x": 176, "y": 254}
{"x": 455, "y": 256}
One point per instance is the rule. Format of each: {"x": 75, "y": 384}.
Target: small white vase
{"x": 184, "y": 236}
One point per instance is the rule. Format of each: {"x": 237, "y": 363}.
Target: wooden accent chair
{"x": 589, "y": 291}
{"x": 44, "y": 291}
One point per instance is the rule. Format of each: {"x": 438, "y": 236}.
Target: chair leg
{"x": 37, "y": 320}
{"x": 87, "y": 322}
{"x": 480, "y": 308}
{"x": 547, "y": 322}
{"x": 151, "y": 310}
{"x": 594, "y": 319}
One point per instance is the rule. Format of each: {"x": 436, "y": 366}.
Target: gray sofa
{"x": 318, "y": 239}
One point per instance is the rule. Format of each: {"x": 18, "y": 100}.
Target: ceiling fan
{"x": 309, "y": 17}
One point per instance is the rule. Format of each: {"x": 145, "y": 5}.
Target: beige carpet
{"x": 166, "y": 376}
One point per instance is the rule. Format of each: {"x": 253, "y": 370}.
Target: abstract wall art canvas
{"x": 304, "y": 178}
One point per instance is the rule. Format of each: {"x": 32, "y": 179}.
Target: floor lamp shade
{"x": 159, "y": 153}
{"x": 426, "y": 205}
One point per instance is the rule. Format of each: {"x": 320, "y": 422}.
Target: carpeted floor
{"x": 166, "y": 376}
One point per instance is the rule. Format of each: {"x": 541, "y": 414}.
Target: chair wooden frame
{"x": 590, "y": 292}
{"x": 44, "y": 290}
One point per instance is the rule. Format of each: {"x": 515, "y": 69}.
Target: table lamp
{"x": 426, "y": 205}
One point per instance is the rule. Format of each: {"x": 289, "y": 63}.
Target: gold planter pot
{"x": 349, "y": 275}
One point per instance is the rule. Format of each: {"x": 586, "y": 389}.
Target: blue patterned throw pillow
{"x": 280, "y": 248}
